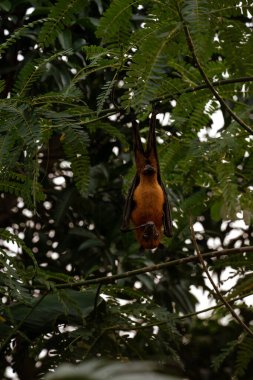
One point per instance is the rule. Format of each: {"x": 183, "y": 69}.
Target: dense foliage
{"x": 71, "y": 71}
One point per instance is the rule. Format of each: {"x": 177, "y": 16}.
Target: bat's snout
{"x": 150, "y": 231}
{"x": 148, "y": 169}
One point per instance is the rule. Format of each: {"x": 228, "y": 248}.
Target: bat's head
{"x": 149, "y": 236}
{"x": 150, "y": 231}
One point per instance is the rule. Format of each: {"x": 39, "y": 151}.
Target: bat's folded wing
{"x": 129, "y": 204}
{"x": 167, "y": 221}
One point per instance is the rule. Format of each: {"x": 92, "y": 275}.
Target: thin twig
{"x": 220, "y": 296}
{"x": 209, "y": 83}
{"x": 143, "y": 327}
{"x": 96, "y": 300}
{"x": 203, "y": 86}
{"x": 153, "y": 268}
{"x": 210, "y": 308}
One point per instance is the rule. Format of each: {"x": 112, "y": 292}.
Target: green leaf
{"x": 115, "y": 25}
{"x": 64, "y": 306}
{"x": 61, "y": 15}
{"x": 216, "y": 210}
{"x": 102, "y": 370}
{"x": 5, "y": 5}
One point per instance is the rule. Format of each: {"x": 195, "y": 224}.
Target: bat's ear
{"x": 138, "y": 147}
{"x": 154, "y": 113}
{"x": 151, "y": 143}
{"x": 153, "y": 118}
{"x": 132, "y": 115}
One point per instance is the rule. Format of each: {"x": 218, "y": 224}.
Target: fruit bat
{"x": 147, "y": 206}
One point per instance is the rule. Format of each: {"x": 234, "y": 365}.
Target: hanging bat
{"x": 147, "y": 206}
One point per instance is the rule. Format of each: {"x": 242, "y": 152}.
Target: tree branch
{"x": 209, "y": 83}
{"x": 195, "y": 313}
{"x": 153, "y": 268}
{"x": 216, "y": 289}
{"x": 203, "y": 86}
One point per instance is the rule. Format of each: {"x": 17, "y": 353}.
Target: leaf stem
{"x": 203, "y": 86}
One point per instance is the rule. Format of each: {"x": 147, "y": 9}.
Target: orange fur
{"x": 148, "y": 200}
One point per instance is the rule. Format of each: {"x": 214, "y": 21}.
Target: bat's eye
{"x": 150, "y": 236}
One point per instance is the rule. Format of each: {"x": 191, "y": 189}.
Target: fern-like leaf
{"x": 115, "y": 25}
{"x": 10, "y": 237}
{"x": 61, "y": 15}
{"x": 33, "y": 70}
{"x": 75, "y": 143}
{"x": 108, "y": 128}
{"x": 19, "y": 33}
{"x": 148, "y": 69}
{"x": 225, "y": 352}
{"x": 196, "y": 14}
{"x": 229, "y": 189}
{"x": 12, "y": 280}
{"x": 22, "y": 186}
{"x": 244, "y": 356}
{"x": 95, "y": 53}
{"x": 104, "y": 94}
